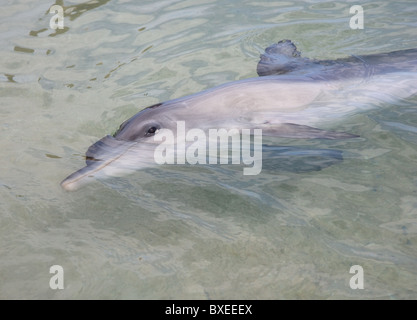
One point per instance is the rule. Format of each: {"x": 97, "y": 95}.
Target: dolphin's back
{"x": 284, "y": 58}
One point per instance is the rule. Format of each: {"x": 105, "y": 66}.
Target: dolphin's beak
{"x": 80, "y": 177}
{"x": 99, "y": 158}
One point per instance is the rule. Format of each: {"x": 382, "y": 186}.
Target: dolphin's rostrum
{"x": 293, "y": 97}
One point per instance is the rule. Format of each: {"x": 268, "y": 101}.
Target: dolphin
{"x": 293, "y": 97}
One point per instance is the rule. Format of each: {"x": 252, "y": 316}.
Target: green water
{"x": 196, "y": 232}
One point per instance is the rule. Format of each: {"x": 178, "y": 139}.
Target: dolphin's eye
{"x": 151, "y": 131}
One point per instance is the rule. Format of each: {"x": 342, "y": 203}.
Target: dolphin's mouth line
{"x": 97, "y": 166}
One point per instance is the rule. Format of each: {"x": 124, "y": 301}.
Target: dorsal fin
{"x": 279, "y": 58}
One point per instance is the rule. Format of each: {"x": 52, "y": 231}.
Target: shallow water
{"x": 192, "y": 232}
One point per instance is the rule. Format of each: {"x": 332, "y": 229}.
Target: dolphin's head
{"x": 132, "y": 147}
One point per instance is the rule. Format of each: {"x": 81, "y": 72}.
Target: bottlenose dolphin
{"x": 293, "y": 97}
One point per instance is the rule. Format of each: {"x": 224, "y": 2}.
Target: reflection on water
{"x": 207, "y": 232}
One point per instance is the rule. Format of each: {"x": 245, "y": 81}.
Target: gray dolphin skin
{"x": 293, "y": 97}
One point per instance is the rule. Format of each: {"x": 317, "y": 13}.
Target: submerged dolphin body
{"x": 291, "y": 98}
